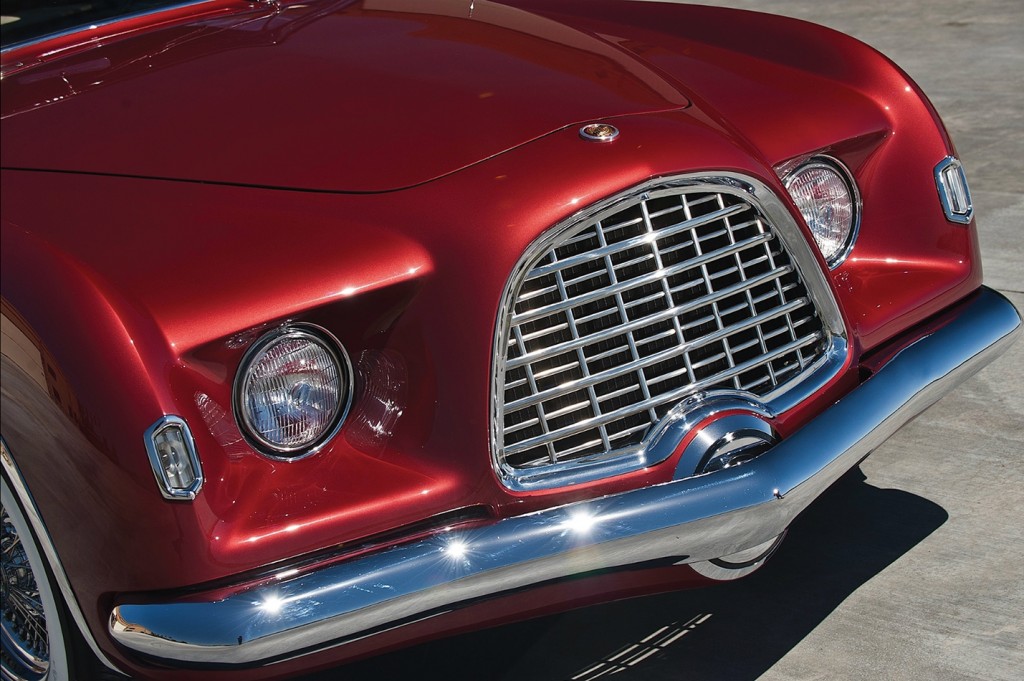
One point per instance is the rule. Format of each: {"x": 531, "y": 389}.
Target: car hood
{"x": 353, "y": 96}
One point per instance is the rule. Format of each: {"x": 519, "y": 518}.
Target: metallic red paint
{"x": 849, "y": 101}
{"x": 274, "y": 100}
{"x": 146, "y": 292}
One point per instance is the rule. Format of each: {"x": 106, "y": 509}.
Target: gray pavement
{"x": 912, "y": 567}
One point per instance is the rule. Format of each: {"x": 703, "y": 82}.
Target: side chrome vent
{"x": 612, "y": 320}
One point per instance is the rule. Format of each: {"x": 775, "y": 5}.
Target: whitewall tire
{"x": 34, "y": 632}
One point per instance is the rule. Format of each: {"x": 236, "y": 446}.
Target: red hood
{"x": 361, "y": 97}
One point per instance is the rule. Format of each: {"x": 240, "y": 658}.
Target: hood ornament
{"x": 599, "y": 132}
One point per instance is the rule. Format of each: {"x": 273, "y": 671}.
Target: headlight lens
{"x": 292, "y": 391}
{"x": 826, "y": 196}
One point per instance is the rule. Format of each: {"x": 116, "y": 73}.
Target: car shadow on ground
{"x": 736, "y": 630}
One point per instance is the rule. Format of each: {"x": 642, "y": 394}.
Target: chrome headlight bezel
{"x": 833, "y": 165}
{"x": 336, "y": 353}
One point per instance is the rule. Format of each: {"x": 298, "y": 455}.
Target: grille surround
{"x": 778, "y": 223}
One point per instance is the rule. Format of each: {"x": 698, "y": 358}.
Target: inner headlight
{"x": 292, "y": 391}
{"x": 824, "y": 192}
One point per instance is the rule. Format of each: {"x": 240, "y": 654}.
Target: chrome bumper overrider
{"x": 688, "y": 520}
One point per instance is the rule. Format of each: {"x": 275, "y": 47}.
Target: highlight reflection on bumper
{"x": 694, "y": 519}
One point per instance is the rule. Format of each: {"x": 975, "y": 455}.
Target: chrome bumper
{"x": 688, "y": 520}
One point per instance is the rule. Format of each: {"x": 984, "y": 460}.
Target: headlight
{"x": 292, "y": 391}
{"x": 824, "y": 192}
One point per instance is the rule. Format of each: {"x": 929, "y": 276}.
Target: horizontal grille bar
{"x": 670, "y": 353}
{"x": 646, "y": 321}
{"x": 630, "y": 243}
{"x": 657, "y": 275}
{"x": 673, "y": 396}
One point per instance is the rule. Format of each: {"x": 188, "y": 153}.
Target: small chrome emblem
{"x": 599, "y": 132}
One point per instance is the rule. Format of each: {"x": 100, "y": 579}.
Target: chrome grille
{"x": 623, "y": 315}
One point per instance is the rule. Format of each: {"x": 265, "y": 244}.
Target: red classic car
{"x": 329, "y": 327}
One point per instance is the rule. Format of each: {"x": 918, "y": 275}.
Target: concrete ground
{"x": 912, "y": 568}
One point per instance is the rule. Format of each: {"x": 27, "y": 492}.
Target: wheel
{"x": 35, "y": 643}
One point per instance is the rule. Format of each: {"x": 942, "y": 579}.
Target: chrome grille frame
{"x": 778, "y": 223}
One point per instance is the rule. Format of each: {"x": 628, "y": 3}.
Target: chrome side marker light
{"x": 954, "y": 193}
{"x": 172, "y": 453}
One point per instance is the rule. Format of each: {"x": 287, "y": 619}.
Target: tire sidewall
{"x": 53, "y": 602}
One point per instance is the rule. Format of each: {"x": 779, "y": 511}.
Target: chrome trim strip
{"x": 17, "y": 482}
{"x": 626, "y": 459}
{"x": 695, "y": 519}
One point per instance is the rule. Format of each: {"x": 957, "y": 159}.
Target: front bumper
{"x": 689, "y": 520}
